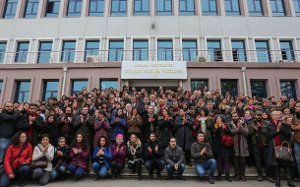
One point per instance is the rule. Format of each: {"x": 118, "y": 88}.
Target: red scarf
{"x": 277, "y": 138}
{"x": 30, "y": 130}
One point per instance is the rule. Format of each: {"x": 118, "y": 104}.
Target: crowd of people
{"x": 104, "y": 129}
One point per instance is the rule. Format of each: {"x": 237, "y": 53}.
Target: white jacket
{"x": 38, "y": 153}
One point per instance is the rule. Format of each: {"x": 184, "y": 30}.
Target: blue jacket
{"x": 107, "y": 155}
{"x": 117, "y": 127}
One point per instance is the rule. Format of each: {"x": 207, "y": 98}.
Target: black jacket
{"x": 8, "y": 123}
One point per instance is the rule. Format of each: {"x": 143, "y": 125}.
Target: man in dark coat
{"x": 149, "y": 123}
{"x": 31, "y": 123}
{"x": 184, "y": 133}
{"x": 84, "y": 124}
{"x": 8, "y": 119}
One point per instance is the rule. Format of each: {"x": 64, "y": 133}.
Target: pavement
{"x": 127, "y": 182}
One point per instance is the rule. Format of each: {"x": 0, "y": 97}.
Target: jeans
{"x": 60, "y": 171}
{"x": 4, "y": 144}
{"x": 210, "y": 164}
{"x": 171, "y": 169}
{"x": 261, "y": 152}
{"x": 100, "y": 169}
{"x": 151, "y": 164}
{"x": 21, "y": 175}
{"x": 42, "y": 175}
{"x": 297, "y": 155}
{"x": 76, "y": 171}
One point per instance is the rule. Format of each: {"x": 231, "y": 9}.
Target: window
{"x": 187, "y": 7}
{"x": 74, "y": 8}
{"x": 31, "y": 8}
{"x": 1, "y": 84}
{"x": 141, "y": 7}
{"x": 96, "y": 7}
{"x": 198, "y": 84}
{"x": 52, "y": 8}
{"x": 22, "y": 51}
{"x": 118, "y": 7}
{"x": 297, "y": 7}
{"x": 287, "y": 51}
{"x": 50, "y": 89}
{"x": 10, "y": 8}
{"x": 189, "y": 50}
{"x": 115, "y": 51}
{"x": 164, "y": 50}
{"x": 68, "y": 51}
{"x": 164, "y": 7}
{"x": 288, "y": 89}
{"x": 229, "y": 86}
{"x": 232, "y": 7}
{"x": 78, "y": 85}
{"x": 258, "y": 89}
{"x": 140, "y": 50}
{"x": 2, "y": 51}
{"x": 277, "y": 7}
{"x": 209, "y": 7}
{"x": 238, "y": 51}
{"x": 44, "y": 52}
{"x": 214, "y": 50}
{"x": 262, "y": 51}
{"x": 22, "y": 91}
{"x": 109, "y": 83}
{"x": 255, "y": 8}
{"x": 92, "y": 48}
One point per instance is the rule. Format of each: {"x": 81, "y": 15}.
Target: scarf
{"x": 203, "y": 125}
{"x": 297, "y": 115}
{"x": 277, "y": 138}
{"x": 30, "y": 130}
{"x": 151, "y": 124}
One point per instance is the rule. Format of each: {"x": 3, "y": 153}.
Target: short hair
{"x": 33, "y": 105}
{"x": 172, "y": 137}
{"x": 200, "y": 132}
{"x": 274, "y": 113}
{"x": 44, "y": 136}
{"x": 7, "y": 102}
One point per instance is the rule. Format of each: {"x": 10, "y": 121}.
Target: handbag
{"x": 39, "y": 163}
{"x": 227, "y": 140}
{"x": 284, "y": 153}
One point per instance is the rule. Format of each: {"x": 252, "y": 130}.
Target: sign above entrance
{"x": 154, "y": 70}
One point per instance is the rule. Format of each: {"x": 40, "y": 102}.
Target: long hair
{"x": 106, "y": 141}
{"x": 84, "y": 142}
{"x": 16, "y": 137}
{"x": 116, "y": 113}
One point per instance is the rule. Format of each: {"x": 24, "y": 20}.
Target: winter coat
{"x": 285, "y": 135}
{"x": 117, "y": 127}
{"x": 119, "y": 156}
{"x": 134, "y": 126}
{"x": 8, "y": 123}
{"x": 166, "y": 128}
{"x": 52, "y": 130}
{"x": 49, "y": 154}
{"x": 153, "y": 155}
{"x": 240, "y": 148}
{"x": 184, "y": 133}
{"x": 135, "y": 155}
{"x": 174, "y": 156}
{"x": 208, "y": 123}
{"x": 218, "y": 148}
{"x": 79, "y": 159}
{"x": 196, "y": 150}
{"x": 107, "y": 155}
{"x": 12, "y": 152}
{"x": 261, "y": 134}
{"x": 86, "y": 128}
{"x": 61, "y": 160}
{"x": 101, "y": 129}
{"x": 146, "y": 127}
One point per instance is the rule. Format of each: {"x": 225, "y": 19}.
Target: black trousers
{"x": 136, "y": 166}
{"x": 116, "y": 167}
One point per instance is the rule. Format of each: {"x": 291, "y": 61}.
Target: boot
{"x": 97, "y": 177}
{"x": 290, "y": 178}
{"x": 219, "y": 176}
{"x": 277, "y": 182}
{"x": 113, "y": 172}
{"x": 228, "y": 177}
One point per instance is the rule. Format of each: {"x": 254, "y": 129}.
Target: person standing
{"x": 296, "y": 128}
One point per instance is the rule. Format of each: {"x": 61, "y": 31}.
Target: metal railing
{"x": 189, "y": 55}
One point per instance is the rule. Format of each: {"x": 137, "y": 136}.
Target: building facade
{"x": 52, "y": 47}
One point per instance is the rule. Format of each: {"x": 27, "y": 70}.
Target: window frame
{"x": 232, "y": 92}
{"x": 142, "y": 13}
{"x": 78, "y": 80}
{"x": 203, "y": 82}
{"x": 212, "y": 51}
{"x": 187, "y": 12}
{"x": 13, "y": 8}
{"x": 2, "y": 51}
{"x": 97, "y": 12}
{"x": 190, "y": 50}
{"x": 264, "y": 90}
{"x": 239, "y": 51}
{"x": 260, "y": 49}
{"x": 118, "y": 51}
{"x": 164, "y": 12}
{"x": 111, "y": 80}
{"x": 44, "y": 50}
{"x": 277, "y": 12}
{"x": 45, "y": 82}
{"x": 210, "y": 12}
{"x": 140, "y": 51}
{"x": 69, "y": 51}
{"x": 33, "y": 13}
{"x": 165, "y": 50}
{"x": 290, "y": 55}
{"x": 17, "y": 91}
{"x": 74, "y": 13}
{"x": 23, "y": 51}
{"x": 119, "y": 12}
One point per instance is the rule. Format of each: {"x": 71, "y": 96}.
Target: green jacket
{"x": 261, "y": 132}
{"x": 196, "y": 150}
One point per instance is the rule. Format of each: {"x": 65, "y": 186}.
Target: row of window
{"x": 141, "y": 50}
{"x": 258, "y": 87}
{"x": 51, "y": 87}
{"x": 142, "y": 7}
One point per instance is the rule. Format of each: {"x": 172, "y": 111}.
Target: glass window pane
{"x": 44, "y": 55}
{"x": 105, "y": 84}
{"x": 91, "y": 48}
{"x": 277, "y": 7}
{"x": 10, "y": 8}
{"x": 141, "y": 7}
{"x": 115, "y": 51}
{"x": 52, "y": 8}
{"x": 163, "y": 7}
{"x": 297, "y": 7}
{"x": 1, "y": 85}
{"x": 68, "y": 53}
{"x": 118, "y": 7}
{"x": 229, "y": 86}
{"x": 262, "y": 51}
{"x": 232, "y": 7}
{"x": 287, "y": 51}
{"x": 31, "y": 8}
{"x": 288, "y": 89}
{"x": 78, "y": 85}
{"x": 22, "y": 91}
{"x": 198, "y": 84}
{"x": 96, "y": 7}
{"x": 74, "y": 8}
{"x": 189, "y": 50}
{"x": 50, "y": 89}
{"x": 22, "y": 51}
{"x": 258, "y": 89}
{"x": 187, "y": 7}
{"x": 214, "y": 50}
{"x": 2, "y": 51}
{"x": 140, "y": 50}
{"x": 238, "y": 51}
{"x": 165, "y": 50}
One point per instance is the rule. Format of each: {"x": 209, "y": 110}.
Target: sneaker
{"x": 211, "y": 180}
{"x": 237, "y": 178}
{"x": 270, "y": 179}
{"x": 260, "y": 179}
{"x": 168, "y": 178}
{"x": 181, "y": 178}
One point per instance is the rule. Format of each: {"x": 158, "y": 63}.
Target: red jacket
{"x": 12, "y": 152}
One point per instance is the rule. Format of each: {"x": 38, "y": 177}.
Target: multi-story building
{"x": 52, "y": 47}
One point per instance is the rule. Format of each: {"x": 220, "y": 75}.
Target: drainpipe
{"x": 64, "y": 81}
{"x": 244, "y": 81}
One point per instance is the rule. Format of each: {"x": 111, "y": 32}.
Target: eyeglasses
{"x": 23, "y": 137}
{"x": 9, "y": 106}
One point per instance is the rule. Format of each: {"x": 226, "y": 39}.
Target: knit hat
{"x": 119, "y": 136}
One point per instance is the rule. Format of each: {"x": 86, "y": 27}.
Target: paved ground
{"x": 157, "y": 183}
